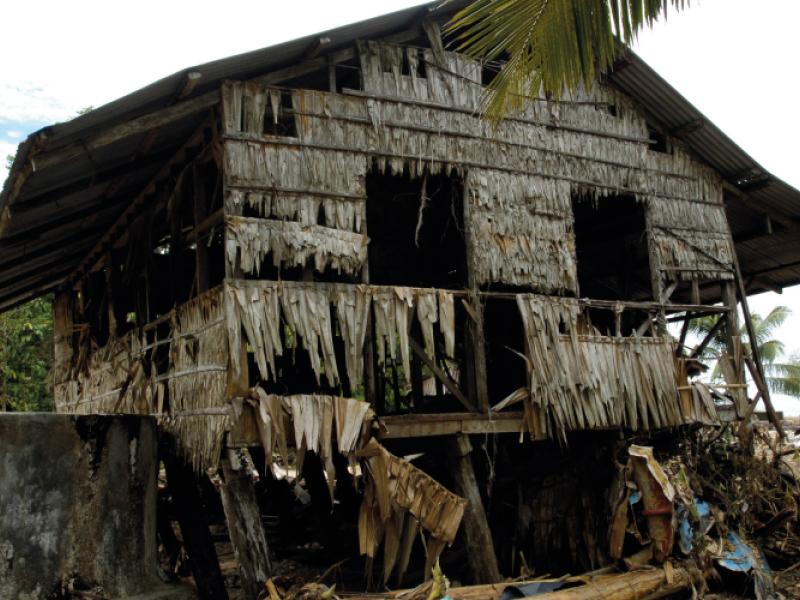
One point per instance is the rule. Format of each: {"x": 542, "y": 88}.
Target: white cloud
{"x": 14, "y": 134}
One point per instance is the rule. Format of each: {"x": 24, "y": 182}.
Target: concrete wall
{"x": 77, "y": 503}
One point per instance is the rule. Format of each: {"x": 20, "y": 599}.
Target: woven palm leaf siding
{"x": 593, "y": 382}
{"x": 523, "y": 232}
{"x": 198, "y": 378}
{"x": 260, "y": 307}
{"x": 410, "y": 118}
{"x": 112, "y": 380}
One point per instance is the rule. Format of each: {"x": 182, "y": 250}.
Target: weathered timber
{"x": 477, "y": 535}
{"x": 199, "y": 210}
{"x": 137, "y": 203}
{"x": 245, "y": 527}
{"x": 645, "y": 584}
{"x": 477, "y": 380}
{"x": 119, "y": 132}
{"x": 419, "y": 351}
{"x": 748, "y": 320}
{"x": 197, "y": 541}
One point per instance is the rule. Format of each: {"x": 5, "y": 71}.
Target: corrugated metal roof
{"x": 51, "y": 217}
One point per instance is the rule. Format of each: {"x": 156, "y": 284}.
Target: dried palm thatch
{"x": 584, "y": 382}
{"x": 291, "y": 244}
{"x": 316, "y": 421}
{"x": 197, "y": 379}
{"x": 257, "y": 307}
{"x": 399, "y": 501}
{"x": 523, "y": 230}
{"x": 591, "y": 141}
{"x": 111, "y": 379}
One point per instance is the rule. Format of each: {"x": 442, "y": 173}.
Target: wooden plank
{"x": 475, "y": 526}
{"x": 441, "y": 375}
{"x": 245, "y": 527}
{"x": 428, "y": 425}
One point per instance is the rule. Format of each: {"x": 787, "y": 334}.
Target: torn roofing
{"x": 63, "y": 193}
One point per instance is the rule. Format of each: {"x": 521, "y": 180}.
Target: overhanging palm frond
{"x": 765, "y": 327}
{"x": 550, "y": 44}
{"x": 784, "y": 378}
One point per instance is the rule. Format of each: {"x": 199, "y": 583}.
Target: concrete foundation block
{"x": 77, "y": 505}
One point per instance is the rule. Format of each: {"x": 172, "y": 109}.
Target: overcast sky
{"x": 733, "y": 59}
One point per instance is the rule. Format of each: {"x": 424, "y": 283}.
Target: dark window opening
{"x": 415, "y": 226}
{"x": 658, "y": 141}
{"x": 505, "y": 342}
{"x": 348, "y": 76}
{"x": 611, "y": 246}
{"x": 612, "y": 109}
{"x": 280, "y": 119}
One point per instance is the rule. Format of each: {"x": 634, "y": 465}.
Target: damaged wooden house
{"x": 426, "y": 333}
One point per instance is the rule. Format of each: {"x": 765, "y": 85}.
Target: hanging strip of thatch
{"x": 308, "y": 310}
{"x": 399, "y": 500}
{"x": 316, "y": 421}
{"x": 249, "y": 241}
{"x": 586, "y": 382}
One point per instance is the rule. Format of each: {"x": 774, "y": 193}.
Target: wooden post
{"x": 197, "y": 541}
{"x": 370, "y": 386}
{"x": 331, "y": 74}
{"x": 476, "y": 347}
{"x": 201, "y": 249}
{"x": 245, "y": 527}
{"x": 656, "y": 278}
{"x": 734, "y": 344}
{"x": 477, "y": 536}
{"x": 112, "y": 317}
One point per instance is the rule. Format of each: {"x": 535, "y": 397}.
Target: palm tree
{"x": 782, "y": 371}
{"x": 549, "y": 45}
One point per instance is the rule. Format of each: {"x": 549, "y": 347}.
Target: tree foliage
{"x": 26, "y": 356}
{"x": 782, "y": 371}
{"x": 549, "y": 45}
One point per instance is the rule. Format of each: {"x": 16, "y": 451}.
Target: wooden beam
{"x": 141, "y": 199}
{"x": 743, "y": 197}
{"x": 754, "y": 352}
{"x": 245, "y": 527}
{"x": 143, "y": 124}
{"x": 428, "y": 425}
{"x": 441, "y": 375}
{"x": 709, "y": 336}
{"x": 477, "y": 535}
{"x": 19, "y": 297}
{"x": 317, "y": 46}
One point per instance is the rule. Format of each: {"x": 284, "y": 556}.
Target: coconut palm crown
{"x": 549, "y": 45}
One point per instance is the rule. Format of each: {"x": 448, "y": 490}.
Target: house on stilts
{"x": 317, "y": 258}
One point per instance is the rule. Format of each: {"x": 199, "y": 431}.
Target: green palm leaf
{"x": 551, "y": 45}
